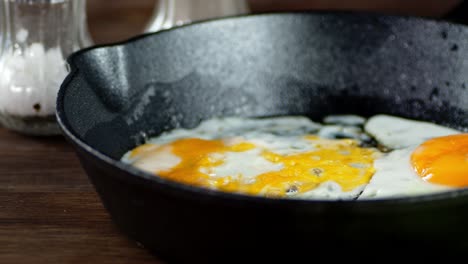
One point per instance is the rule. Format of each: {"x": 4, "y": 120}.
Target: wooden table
{"x": 49, "y": 212}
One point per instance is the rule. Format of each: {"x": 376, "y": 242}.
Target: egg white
{"x": 397, "y": 133}
{"x": 237, "y": 126}
{"x": 395, "y": 178}
{"x": 248, "y": 164}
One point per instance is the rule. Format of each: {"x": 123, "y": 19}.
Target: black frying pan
{"x": 312, "y": 64}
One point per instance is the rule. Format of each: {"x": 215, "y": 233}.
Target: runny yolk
{"x": 443, "y": 160}
{"x": 340, "y": 161}
{"x": 197, "y": 153}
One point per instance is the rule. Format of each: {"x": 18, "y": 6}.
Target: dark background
{"x": 123, "y": 18}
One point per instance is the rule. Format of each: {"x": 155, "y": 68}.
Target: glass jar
{"x": 36, "y": 36}
{"x": 169, "y": 13}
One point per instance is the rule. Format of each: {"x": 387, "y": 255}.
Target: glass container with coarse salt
{"x": 36, "y": 36}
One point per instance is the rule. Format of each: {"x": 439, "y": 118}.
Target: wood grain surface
{"x": 49, "y": 212}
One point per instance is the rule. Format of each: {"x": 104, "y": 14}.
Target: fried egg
{"x": 294, "y": 157}
{"x": 401, "y": 172}
{"x": 274, "y": 157}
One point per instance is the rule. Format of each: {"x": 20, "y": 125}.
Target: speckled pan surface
{"x": 315, "y": 64}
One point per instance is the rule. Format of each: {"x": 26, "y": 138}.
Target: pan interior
{"x": 267, "y": 65}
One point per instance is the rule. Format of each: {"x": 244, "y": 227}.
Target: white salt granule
{"x": 22, "y": 35}
{"x": 30, "y": 79}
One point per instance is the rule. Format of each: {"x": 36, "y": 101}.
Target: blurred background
{"x": 123, "y": 19}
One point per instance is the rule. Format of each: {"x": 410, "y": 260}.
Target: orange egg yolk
{"x": 443, "y": 160}
{"x": 340, "y": 161}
